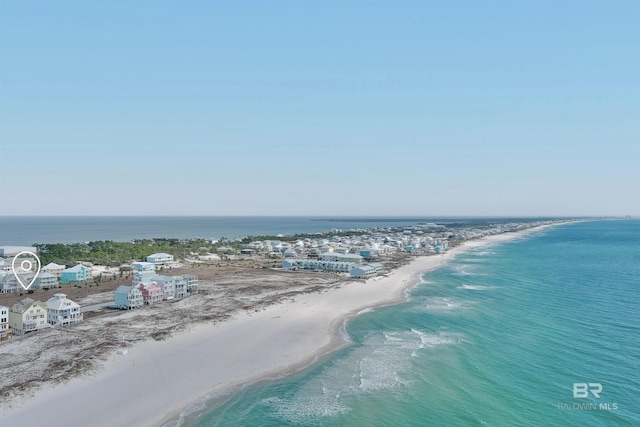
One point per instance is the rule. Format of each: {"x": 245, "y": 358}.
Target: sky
{"x": 458, "y": 108}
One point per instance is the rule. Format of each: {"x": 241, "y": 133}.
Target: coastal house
{"x": 367, "y": 270}
{"x": 338, "y": 257}
{"x": 45, "y": 280}
{"x": 377, "y": 267}
{"x": 76, "y": 274}
{"x": 290, "y": 253}
{"x": 181, "y": 287}
{"x": 27, "y": 316}
{"x": 160, "y": 259}
{"x": 366, "y": 253}
{"x": 191, "y": 282}
{"x": 151, "y": 292}
{"x": 62, "y": 311}
{"x": 8, "y": 283}
{"x": 289, "y": 264}
{"x": 128, "y": 297}
{"x": 4, "y": 320}
{"x": 313, "y": 264}
{"x": 140, "y": 276}
{"x": 143, "y": 266}
{"x": 167, "y": 285}
{"x": 440, "y": 246}
{"x": 55, "y": 269}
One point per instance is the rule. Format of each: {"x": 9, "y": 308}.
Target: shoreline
{"x": 161, "y": 383}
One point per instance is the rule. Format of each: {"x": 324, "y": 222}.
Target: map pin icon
{"x": 26, "y": 269}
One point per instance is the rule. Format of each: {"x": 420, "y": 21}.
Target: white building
{"x": 7, "y": 251}
{"x": 62, "y": 311}
{"x": 191, "y": 283}
{"x": 8, "y": 283}
{"x": 314, "y": 264}
{"x": 160, "y": 258}
{"x": 4, "y": 320}
{"x": 167, "y": 284}
{"x": 367, "y": 270}
{"x": 5, "y": 265}
{"x": 143, "y": 276}
{"x": 181, "y": 287}
{"x": 45, "y": 280}
{"x": 335, "y": 256}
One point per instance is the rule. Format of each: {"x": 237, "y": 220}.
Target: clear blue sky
{"x": 320, "y": 107}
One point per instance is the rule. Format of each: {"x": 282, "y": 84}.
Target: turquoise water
{"x": 498, "y": 337}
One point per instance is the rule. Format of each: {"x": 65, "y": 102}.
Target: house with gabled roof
{"x": 55, "y": 269}
{"x": 151, "y": 292}
{"x": 128, "y": 297}
{"x": 76, "y": 274}
{"x": 27, "y": 316}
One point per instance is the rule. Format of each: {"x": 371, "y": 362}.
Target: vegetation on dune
{"x": 113, "y": 254}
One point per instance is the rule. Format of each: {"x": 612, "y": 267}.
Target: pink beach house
{"x": 151, "y": 292}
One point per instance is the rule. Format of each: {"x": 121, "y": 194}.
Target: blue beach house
{"x": 128, "y": 297}
{"x": 75, "y": 274}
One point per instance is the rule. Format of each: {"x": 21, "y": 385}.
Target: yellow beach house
{"x": 27, "y": 316}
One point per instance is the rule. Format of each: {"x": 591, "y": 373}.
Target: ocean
{"x": 41, "y": 229}
{"x": 539, "y": 331}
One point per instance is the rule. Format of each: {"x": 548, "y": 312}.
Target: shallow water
{"x": 497, "y": 337}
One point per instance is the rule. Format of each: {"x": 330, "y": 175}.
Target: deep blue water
{"x": 497, "y": 337}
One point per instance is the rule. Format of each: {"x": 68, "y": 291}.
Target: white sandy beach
{"x": 157, "y": 380}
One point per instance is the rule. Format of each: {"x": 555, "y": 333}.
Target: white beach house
{"x": 338, "y": 257}
{"x": 45, "y": 280}
{"x": 62, "y": 311}
{"x": 4, "y": 320}
{"x": 8, "y": 283}
{"x": 167, "y": 285}
{"x": 320, "y": 265}
{"x": 140, "y": 276}
{"x": 27, "y": 316}
{"x": 160, "y": 258}
{"x": 191, "y": 282}
{"x": 367, "y": 270}
{"x": 181, "y": 287}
